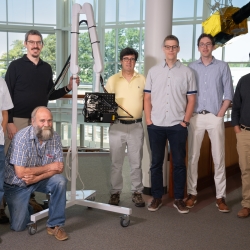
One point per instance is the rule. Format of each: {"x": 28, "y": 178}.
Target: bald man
{"x": 34, "y": 162}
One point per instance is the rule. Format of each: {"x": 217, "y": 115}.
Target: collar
{"x": 177, "y": 64}
{"x": 25, "y": 58}
{"x": 214, "y": 61}
{"x": 134, "y": 75}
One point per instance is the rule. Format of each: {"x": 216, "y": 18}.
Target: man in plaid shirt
{"x": 34, "y": 162}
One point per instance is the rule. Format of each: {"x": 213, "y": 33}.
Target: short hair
{"x": 128, "y": 51}
{"x": 171, "y": 37}
{"x": 33, "y": 114}
{"x": 209, "y": 36}
{"x": 33, "y": 32}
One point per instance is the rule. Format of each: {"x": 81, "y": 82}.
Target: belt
{"x": 203, "y": 112}
{"x": 244, "y": 127}
{"x": 130, "y": 121}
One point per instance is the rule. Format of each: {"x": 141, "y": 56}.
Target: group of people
{"x": 180, "y": 103}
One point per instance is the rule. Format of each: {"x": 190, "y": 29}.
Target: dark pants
{"x": 177, "y": 137}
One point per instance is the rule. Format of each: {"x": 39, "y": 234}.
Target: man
{"x": 214, "y": 82}
{"x": 29, "y": 80}
{"x": 34, "y": 162}
{"x": 241, "y": 123}
{"x": 169, "y": 100}
{"x": 127, "y": 132}
{"x": 5, "y": 104}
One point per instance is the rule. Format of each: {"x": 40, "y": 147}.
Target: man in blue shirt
{"x": 215, "y": 93}
{"x": 34, "y": 162}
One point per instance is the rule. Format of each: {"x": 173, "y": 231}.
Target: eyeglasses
{"x": 174, "y": 47}
{"x": 203, "y": 45}
{"x": 38, "y": 43}
{"x": 126, "y": 59}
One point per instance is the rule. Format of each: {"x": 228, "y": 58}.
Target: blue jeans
{"x": 177, "y": 137}
{"x": 2, "y": 166}
{"x": 18, "y": 201}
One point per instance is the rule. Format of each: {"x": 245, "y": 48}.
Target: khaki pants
{"x": 243, "y": 148}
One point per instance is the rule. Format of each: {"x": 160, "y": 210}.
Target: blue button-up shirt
{"x": 214, "y": 84}
{"x": 26, "y": 151}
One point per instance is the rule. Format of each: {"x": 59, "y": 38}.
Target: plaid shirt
{"x": 26, "y": 151}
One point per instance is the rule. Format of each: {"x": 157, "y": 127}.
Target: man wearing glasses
{"x": 34, "y": 162}
{"x": 29, "y": 80}
{"x": 169, "y": 100}
{"x": 127, "y": 131}
{"x": 215, "y": 93}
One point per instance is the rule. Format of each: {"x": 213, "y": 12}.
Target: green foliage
{"x": 127, "y": 37}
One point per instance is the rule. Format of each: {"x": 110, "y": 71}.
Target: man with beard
{"x": 34, "y": 162}
{"x": 29, "y": 80}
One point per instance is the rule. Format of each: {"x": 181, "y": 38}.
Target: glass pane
{"x": 20, "y": 11}
{"x": 199, "y": 8}
{"x": 16, "y": 47}
{"x": 45, "y": 6}
{"x": 129, "y": 10}
{"x": 238, "y": 71}
{"x": 109, "y": 71}
{"x": 129, "y": 37}
{"x": 198, "y": 33}
{"x": 85, "y": 59}
{"x": 237, "y": 49}
{"x": 110, "y": 46}
{"x": 218, "y": 53}
{"x": 184, "y": 34}
{"x": 3, "y": 11}
{"x": 183, "y": 8}
{"x": 3, "y": 53}
{"x": 110, "y": 11}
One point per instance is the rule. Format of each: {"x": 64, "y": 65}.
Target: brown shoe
{"x": 222, "y": 206}
{"x": 155, "y": 205}
{"x": 58, "y": 232}
{"x": 181, "y": 206}
{"x": 191, "y": 200}
{"x": 244, "y": 212}
{"x": 138, "y": 200}
{"x": 114, "y": 199}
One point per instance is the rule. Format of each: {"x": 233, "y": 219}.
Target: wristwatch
{"x": 187, "y": 123}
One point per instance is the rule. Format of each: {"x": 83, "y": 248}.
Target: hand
{"x": 56, "y": 166}
{"x": 11, "y": 130}
{"x": 237, "y": 129}
{"x": 70, "y": 85}
{"x": 183, "y": 124}
{"x": 149, "y": 122}
{"x": 30, "y": 179}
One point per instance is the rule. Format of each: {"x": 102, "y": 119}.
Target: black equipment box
{"x": 100, "y": 107}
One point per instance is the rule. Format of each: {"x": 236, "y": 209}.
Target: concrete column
{"x": 158, "y": 24}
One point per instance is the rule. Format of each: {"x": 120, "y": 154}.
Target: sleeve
{"x": 227, "y": 83}
{"x": 6, "y": 102}
{"x": 108, "y": 86}
{"x": 10, "y": 79}
{"x": 55, "y": 93}
{"x": 237, "y": 101}
{"x": 148, "y": 84}
{"x": 192, "y": 87}
{"x": 19, "y": 152}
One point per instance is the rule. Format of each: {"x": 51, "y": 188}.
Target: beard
{"x": 44, "y": 133}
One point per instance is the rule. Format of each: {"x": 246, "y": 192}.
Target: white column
{"x": 158, "y": 24}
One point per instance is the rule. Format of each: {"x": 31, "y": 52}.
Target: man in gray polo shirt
{"x": 214, "y": 83}
{"x": 169, "y": 101}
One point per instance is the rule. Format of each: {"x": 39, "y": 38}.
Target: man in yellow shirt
{"x": 127, "y": 131}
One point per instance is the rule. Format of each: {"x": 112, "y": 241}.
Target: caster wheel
{"x": 124, "y": 221}
{"x": 32, "y": 228}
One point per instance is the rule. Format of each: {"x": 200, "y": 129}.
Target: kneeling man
{"x": 34, "y": 162}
